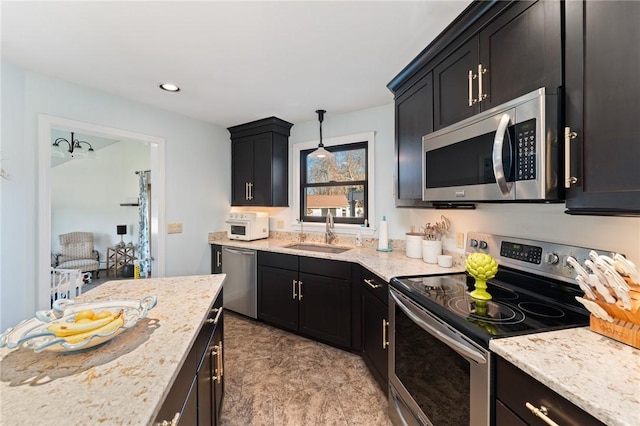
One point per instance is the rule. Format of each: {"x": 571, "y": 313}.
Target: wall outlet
{"x": 460, "y": 240}
{"x": 280, "y": 224}
{"x": 174, "y": 228}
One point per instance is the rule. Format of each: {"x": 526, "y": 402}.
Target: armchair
{"x": 77, "y": 252}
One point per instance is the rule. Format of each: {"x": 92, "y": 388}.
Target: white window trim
{"x": 340, "y": 228}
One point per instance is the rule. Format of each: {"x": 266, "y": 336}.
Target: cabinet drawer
{"x": 325, "y": 268}
{"x": 376, "y": 286}
{"x": 514, "y": 388}
{"x": 278, "y": 260}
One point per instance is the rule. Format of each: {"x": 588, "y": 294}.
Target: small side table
{"x": 117, "y": 257}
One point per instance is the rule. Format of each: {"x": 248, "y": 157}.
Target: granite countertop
{"x": 384, "y": 264}
{"x": 124, "y": 381}
{"x": 596, "y": 373}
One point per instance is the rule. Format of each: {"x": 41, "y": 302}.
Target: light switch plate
{"x": 174, "y": 228}
{"x": 460, "y": 240}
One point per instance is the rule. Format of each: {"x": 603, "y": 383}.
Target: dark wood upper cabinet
{"x": 516, "y": 52}
{"x": 493, "y": 52}
{"x": 602, "y": 106}
{"x": 259, "y": 163}
{"x": 414, "y": 118}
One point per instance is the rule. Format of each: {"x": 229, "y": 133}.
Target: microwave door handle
{"x": 498, "y": 142}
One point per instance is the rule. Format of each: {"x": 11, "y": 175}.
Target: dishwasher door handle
{"x": 236, "y": 251}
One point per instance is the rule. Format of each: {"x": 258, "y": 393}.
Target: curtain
{"x": 144, "y": 254}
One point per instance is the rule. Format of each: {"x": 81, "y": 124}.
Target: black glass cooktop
{"x": 513, "y": 309}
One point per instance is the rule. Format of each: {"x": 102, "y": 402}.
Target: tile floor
{"x": 275, "y": 378}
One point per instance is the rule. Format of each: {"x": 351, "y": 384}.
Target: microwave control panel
{"x": 525, "y": 144}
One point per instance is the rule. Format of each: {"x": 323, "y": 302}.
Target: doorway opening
{"x": 156, "y": 209}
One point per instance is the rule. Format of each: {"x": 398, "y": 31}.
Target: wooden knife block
{"x": 619, "y": 330}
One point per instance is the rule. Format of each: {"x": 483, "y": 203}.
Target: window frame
{"x": 368, "y": 137}
{"x": 303, "y": 185}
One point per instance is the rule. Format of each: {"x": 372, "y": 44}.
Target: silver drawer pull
{"x": 372, "y": 284}
{"x": 568, "y": 136}
{"x": 542, "y": 413}
{"x": 385, "y": 324}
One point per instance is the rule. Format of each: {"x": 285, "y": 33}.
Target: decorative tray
{"x": 34, "y": 333}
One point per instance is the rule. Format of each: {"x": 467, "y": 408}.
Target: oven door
{"x": 436, "y": 375}
{"x": 238, "y": 230}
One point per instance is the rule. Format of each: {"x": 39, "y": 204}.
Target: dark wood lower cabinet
{"x": 375, "y": 327}
{"x": 515, "y": 388}
{"x": 309, "y": 296}
{"x": 196, "y": 395}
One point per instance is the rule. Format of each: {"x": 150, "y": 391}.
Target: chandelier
{"x": 75, "y": 148}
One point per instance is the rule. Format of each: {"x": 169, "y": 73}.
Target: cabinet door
{"x": 241, "y": 170}
{"x": 325, "y": 311}
{"x": 414, "y": 119}
{"x": 374, "y": 337}
{"x": 278, "y": 297}
{"x": 205, "y": 389}
{"x": 262, "y": 184}
{"x": 217, "y": 369}
{"x": 603, "y": 106}
{"x": 216, "y": 259}
{"x": 521, "y": 50}
{"x": 451, "y": 86}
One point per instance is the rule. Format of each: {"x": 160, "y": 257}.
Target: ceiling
{"x": 235, "y": 61}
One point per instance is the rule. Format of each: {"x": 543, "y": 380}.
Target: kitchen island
{"x": 598, "y": 374}
{"x": 124, "y": 381}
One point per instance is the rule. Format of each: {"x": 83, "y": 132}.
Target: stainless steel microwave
{"x": 508, "y": 153}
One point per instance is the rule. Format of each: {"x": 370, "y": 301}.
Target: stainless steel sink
{"x": 321, "y": 248}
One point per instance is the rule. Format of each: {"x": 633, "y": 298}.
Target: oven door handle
{"x": 457, "y": 346}
{"x": 498, "y": 142}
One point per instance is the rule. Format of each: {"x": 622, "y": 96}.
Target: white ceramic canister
{"x": 413, "y": 245}
{"x": 431, "y": 250}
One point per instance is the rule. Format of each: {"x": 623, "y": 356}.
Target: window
{"x": 338, "y": 185}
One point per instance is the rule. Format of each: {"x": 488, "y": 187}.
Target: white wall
{"x": 86, "y": 195}
{"x": 197, "y": 173}
{"x": 536, "y": 221}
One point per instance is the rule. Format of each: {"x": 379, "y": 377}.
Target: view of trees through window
{"x": 337, "y": 185}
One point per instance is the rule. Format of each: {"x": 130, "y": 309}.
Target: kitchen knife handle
{"x": 568, "y": 136}
{"x": 541, "y": 413}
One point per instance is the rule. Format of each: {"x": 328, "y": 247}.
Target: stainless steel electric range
{"x": 440, "y": 366}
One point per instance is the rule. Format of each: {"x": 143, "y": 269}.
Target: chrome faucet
{"x": 329, "y": 235}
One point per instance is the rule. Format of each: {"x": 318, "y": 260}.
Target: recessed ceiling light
{"x": 169, "y": 87}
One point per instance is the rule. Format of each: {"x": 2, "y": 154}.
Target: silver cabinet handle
{"x": 471, "y": 98}
{"x": 173, "y": 422}
{"x": 568, "y": 136}
{"x": 219, "y": 312}
{"x": 385, "y": 324}
{"x": 542, "y": 413}
{"x": 372, "y": 284}
{"x": 299, "y": 290}
{"x": 481, "y": 96}
{"x": 217, "y": 353}
{"x": 219, "y": 258}
{"x": 250, "y": 191}
{"x": 246, "y": 191}
{"x": 294, "y": 287}
{"x": 498, "y": 142}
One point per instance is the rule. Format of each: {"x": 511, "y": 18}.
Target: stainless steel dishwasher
{"x": 240, "y": 286}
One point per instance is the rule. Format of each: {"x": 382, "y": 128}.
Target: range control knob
{"x": 473, "y": 243}
{"x": 552, "y": 259}
{"x": 482, "y": 244}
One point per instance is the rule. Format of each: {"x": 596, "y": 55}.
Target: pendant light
{"x": 321, "y": 152}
